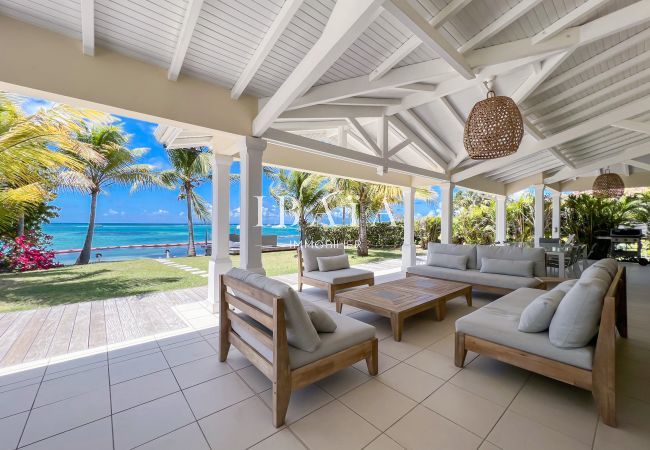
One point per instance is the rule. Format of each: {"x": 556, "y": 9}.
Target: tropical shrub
{"x": 380, "y": 234}
{"x": 27, "y": 252}
{"x": 474, "y": 218}
{"x": 427, "y": 229}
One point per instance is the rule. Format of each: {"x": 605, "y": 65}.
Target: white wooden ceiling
{"x": 397, "y": 89}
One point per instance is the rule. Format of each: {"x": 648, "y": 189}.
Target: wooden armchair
{"x": 262, "y": 338}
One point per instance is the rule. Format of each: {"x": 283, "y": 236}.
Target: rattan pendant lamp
{"x": 608, "y": 185}
{"x": 494, "y": 127}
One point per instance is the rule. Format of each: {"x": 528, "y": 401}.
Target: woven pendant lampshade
{"x": 608, "y": 185}
{"x": 494, "y": 128}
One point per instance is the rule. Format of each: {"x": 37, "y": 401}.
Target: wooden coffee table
{"x": 403, "y": 298}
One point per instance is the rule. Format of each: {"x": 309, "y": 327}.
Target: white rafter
{"x": 448, "y": 12}
{"x": 88, "y": 27}
{"x": 502, "y": 22}
{"x": 537, "y": 134}
{"x": 367, "y": 139}
{"x": 365, "y": 101}
{"x": 428, "y": 34}
{"x": 424, "y": 148}
{"x": 269, "y": 40}
{"x": 638, "y": 164}
{"x": 568, "y": 20}
{"x": 633, "y": 125}
{"x": 347, "y": 22}
{"x": 424, "y": 130}
{"x": 402, "y": 52}
{"x": 184, "y": 37}
{"x": 418, "y": 87}
{"x": 537, "y": 77}
{"x": 393, "y": 151}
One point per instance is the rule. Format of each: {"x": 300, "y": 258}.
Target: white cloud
{"x": 181, "y": 213}
{"x": 234, "y": 212}
{"x": 160, "y": 212}
{"x": 112, "y": 212}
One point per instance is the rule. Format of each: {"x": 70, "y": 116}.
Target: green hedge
{"x": 380, "y": 235}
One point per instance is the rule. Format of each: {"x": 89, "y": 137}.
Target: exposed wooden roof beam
{"x": 367, "y": 139}
{"x": 568, "y": 20}
{"x": 428, "y": 34}
{"x": 419, "y": 87}
{"x": 633, "y": 125}
{"x": 426, "y": 150}
{"x": 88, "y": 27}
{"x": 501, "y": 23}
{"x": 449, "y": 11}
{"x": 330, "y": 112}
{"x": 402, "y": 52}
{"x": 365, "y": 101}
{"x": 537, "y": 78}
{"x": 424, "y": 129}
{"x": 269, "y": 40}
{"x": 639, "y": 164}
{"x": 346, "y": 23}
{"x": 184, "y": 37}
{"x": 537, "y": 134}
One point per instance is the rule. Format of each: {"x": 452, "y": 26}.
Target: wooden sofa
{"x": 348, "y": 277}
{"x": 599, "y": 378}
{"x": 262, "y": 338}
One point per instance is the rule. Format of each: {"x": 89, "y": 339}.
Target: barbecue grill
{"x": 625, "y": 244}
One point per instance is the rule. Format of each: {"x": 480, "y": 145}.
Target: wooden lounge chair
{"x": 259, "y": 332}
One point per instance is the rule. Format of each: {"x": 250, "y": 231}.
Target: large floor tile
{"x": 186, "y": 353}
{"x": 383, "y": 442}
{"x": 491, "y": 379}
{"x": 464, "y": 408}
{"x": 343, "y": 381}
{"x": 282, "y": 440}
{"x": 255, "y": 379}
{"x": 410, "y": 381}
{"x": 66, "y": 414}
{"x": 515, "y": 432}
{"x": 398, "y": 350}
{"x": 189, "y": 437}
{"x": 385, "y": 363}
{"x": 143, "y": 389}
{"x": 632, "y": 431}
{"x": 136, "y": 367}
{"x": 214, "y": 395}
{"x": 424, "y": 429}
{"x": 195, "y": 372}
{"x": 28, "y": 375}
{"x": 334, "y": 426}
{"x": 240, "y": 426}
{"x": 69, "y": 366}
{"x": 377, "y": 403}
{"x": 10, "y": 429}
{"x": 235, "y": 359}
{"x": 148, "y": 421}
{"x": 97, "y": 435}
{"x": 72, "y": 385}
{"x": 17, "y": 400}
{"x": 303, "y": 401}
{"x": 557, "y": 405}
{"x": 447, "y": 347}
{"x": 130, "y": 351}
{"x": 434, "y": 363}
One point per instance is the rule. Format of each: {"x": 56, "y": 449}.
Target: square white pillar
{"x": 408, "y": 249}
{"x": 501, "y": 225}
{"x": 446, "y": 212}
{"x": 539, "y": 213}
{"x": 556, "y": 224}
{"x": 220, "y": 258}
{"x": 250, "y": 222}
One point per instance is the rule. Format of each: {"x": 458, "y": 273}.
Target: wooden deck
{"x": 39, "y": 334}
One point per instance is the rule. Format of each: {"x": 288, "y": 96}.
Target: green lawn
{"x": 74, "y": 284}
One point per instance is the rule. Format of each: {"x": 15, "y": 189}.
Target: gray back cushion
{"x": 537, "y": 255}
{"x": 609, "y": 264}
{"x": 300, "y": 330}
{"x": 321, "y": 320}
{"x": 565, "y": 286}
{"x": 537, "y": 316}
{"x": 329, "y": 263}
{"x": 449, "y": 261}
{"x": 577, "y": 317}
{"x": 454, "y": 249}
{"x": 507, "y": 267}
{"x": 311, "y": 253}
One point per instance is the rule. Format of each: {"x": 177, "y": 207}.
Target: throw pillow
{"x": 537, "y": 316}
{"x": 449, "y": 261}
{"x": 520, "y": 268}
{"x": 319, "y": 318}
{"x": 329, "y": 263}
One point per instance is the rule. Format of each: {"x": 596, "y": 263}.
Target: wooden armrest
{"x": 546, "y": 281}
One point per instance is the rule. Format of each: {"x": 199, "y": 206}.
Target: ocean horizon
{"x": 66, "y": 236}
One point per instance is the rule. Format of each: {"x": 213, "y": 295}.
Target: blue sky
{"x": 161, "y": 205}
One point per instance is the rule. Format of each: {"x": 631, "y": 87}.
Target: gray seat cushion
{"x": 537, "y": 255}
{"x": 311, "y": 253}
{"x": 474, "y": 277}
{"x": 348, "y": 333}
{"x": 340, "y": 276}
{"x": 498, "y": 321}
{"x": 507, "y": 267}
{"x": 454, "y": 249}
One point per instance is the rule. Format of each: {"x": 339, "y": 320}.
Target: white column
{"x": 446, "y": 212}
{"x": 501, "y": 219}
{"x": 555, "y": 230}
{"x": 539, "y": 213}
{"x": 408, "y": 249}
{"x": 250, "y": 229}
{"x": 219, "y": 259}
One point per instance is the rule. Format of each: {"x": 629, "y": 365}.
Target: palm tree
{"x": 308, "y": 190}
{"x": 32, "y": 149}
{"x": 190, "y": 169}
{"x": 117, "y": 167}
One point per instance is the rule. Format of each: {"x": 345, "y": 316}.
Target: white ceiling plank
{"x": 452, "y": 111}
{"x": 633, "y": 125}
{"x": 568, "y": 20}
{"x": 531, "y": 147}
{"x": 184, "y": 37}
{"x": 426, "y": 150}
{"x": 537, "y": 78}
{"x": 402, "y": 52}
{"x": 367, "y": 139}
{"x": 501, "y": 23}
{"x": 431, "y": 37}
{"x": 269, "y": 40}
{"x": 615, "y": 22}
{"x": 365, "y": 101}
{"x": 537, "y": 134}
{"x": 625, "y": 155}
{"x": 448, "y": 12}
{"x": 424, "y": 129}
{"x": 88, "y": 27}
{"x": 346, "y": 23}
{"x": 638, "y": 164}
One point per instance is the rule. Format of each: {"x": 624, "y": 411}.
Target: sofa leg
{"x": 331, "y": 292}
{"x": 281, "y": 397}
{"x": 372, "y": 360}
{"x": 371, "y": 282}
{"x": 300, "y": 286}
{"x": 460, "y": 353}
{"x": 605, "y": 398}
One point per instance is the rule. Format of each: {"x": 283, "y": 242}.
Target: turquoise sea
{"x": 72, "y": 235}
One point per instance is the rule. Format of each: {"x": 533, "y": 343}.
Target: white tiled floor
{"x": 172, "y": 392}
